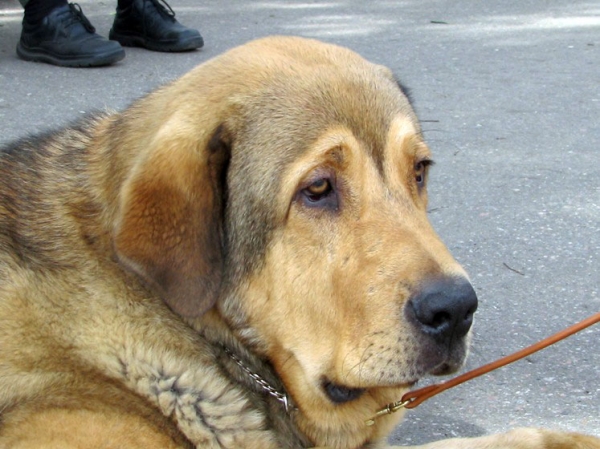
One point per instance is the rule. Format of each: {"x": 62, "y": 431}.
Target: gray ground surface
{"x": 510, "y": 99}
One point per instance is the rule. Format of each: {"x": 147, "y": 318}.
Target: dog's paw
{"x": 521, "y": 438}
{"x": 550, "y": 439}
{"x": 220, "y": 419}
{"x": 208, "y": 408}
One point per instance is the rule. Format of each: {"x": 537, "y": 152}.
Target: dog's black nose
{"x": 444, "y": 308}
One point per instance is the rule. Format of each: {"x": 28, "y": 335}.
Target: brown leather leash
{"x": 416, "y": 397}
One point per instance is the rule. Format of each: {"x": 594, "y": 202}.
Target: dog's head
{"x": 286, "y": 180}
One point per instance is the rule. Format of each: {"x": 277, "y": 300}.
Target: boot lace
{"x": 163, "y": 7}
{"x": 77, "y": 16}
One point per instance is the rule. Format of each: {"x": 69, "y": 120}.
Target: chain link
{"x": 262, "y": 383}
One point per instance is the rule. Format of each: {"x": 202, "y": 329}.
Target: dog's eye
{"x": 421, "y": 171}
{"x": 320, "y": 194}
{"x": 319, "y": 188}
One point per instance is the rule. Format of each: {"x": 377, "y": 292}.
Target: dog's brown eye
{"x": 320, "y": 187}
{"x": 320, "y": 194}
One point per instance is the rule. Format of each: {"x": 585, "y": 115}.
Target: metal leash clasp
{"x": 387, "y": 410}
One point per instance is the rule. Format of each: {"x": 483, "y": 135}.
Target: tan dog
{"x": 242, "y": 259}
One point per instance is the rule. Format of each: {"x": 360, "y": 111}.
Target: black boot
{"x": 151, "y": 24}
{"x": 65, "y": 37}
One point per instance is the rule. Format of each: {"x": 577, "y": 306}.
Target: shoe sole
{"x": 138, "y": 41}
{"x": 37, "y": 55}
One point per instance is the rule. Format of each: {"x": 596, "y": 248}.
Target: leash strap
{"x": 416, "y": 397}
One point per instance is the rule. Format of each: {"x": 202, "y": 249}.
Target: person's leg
{"x": 36, "y": 10}
{"x": 151, "y": 24}
{"x": 57, "y": 32}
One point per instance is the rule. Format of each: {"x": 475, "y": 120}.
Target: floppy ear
{"x": 169, "y": 228}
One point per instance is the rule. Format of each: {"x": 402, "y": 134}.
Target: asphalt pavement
{"x": 509, "y": 95}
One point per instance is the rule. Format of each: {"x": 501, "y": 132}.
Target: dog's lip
{"x": 407, "y": 385}
{"x": 329, "y": 387}
{"x": 445, "y": 369}
{"x": 340, "y": 394}
{"x": 442, "y": 370}
{"x": 410, "y": 384}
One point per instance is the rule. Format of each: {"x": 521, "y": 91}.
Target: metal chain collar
{"x": 263, "y": 384}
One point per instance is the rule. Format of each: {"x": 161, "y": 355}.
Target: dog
{"x": 241, "y": 259}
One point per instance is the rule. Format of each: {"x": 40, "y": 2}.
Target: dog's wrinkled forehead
{"x": 281, "y": 122}
{"x": 295, "y": 111}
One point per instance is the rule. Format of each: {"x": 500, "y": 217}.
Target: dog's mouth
{"x": 428, "y": 361}
{"x": 338, "y": 393}
{"x": 341, "y": 394}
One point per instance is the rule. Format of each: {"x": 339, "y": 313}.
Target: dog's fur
{"x": 270, "y": 203}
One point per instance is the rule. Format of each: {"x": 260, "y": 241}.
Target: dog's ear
{"x": 169, "y": 228}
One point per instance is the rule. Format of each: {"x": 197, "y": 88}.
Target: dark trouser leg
{"x": 36, "y": 10}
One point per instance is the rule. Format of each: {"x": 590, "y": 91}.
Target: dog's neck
{"x": 263, "y": 385}
{"x": 243, "y": 367}
{"x": 291, "y": 428}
